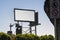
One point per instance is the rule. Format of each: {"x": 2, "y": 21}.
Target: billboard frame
{"x": 24, "y": 10}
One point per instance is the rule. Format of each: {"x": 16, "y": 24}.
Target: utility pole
{"x": 10, "y": 32}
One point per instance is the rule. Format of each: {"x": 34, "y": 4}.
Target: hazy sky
{"x": 7, "y": 15}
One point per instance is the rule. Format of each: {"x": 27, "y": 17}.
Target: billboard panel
{"x": 24, "y": 15}
{"x": 36, "y": 20}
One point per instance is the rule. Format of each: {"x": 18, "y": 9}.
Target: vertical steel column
{"x": 35, "y": 30}
{"x": 30, "y": 30}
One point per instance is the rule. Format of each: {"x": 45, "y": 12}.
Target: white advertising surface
{"x": 24, "y": 15}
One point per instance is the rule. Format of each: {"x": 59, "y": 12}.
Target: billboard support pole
{"x": 18, "y": 22}
{"x": 30, "y": 30}
{"x": 35, "y": 30}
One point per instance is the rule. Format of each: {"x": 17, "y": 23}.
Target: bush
{"x": 12, "y": 37}
{"x": 27, "y": 37}
{"x": 47, "y": 37}
{"x": 4, "y": 36}
{"x": 50, "y": 37}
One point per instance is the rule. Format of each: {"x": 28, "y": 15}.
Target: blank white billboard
{"x": 24, "y": 15}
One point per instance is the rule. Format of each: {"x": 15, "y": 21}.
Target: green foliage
{"x": 50, "y": 37}
{"x": 12, "y": 37}
{"x": 43, "y": 37}
{"x": 33, "y": 37}
{"x": 47, "y": 37}
{"x": 4, "y": 36}
{"x": 27, "y": 37}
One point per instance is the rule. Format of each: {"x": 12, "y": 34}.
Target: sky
{"x": 7, "y": 15}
